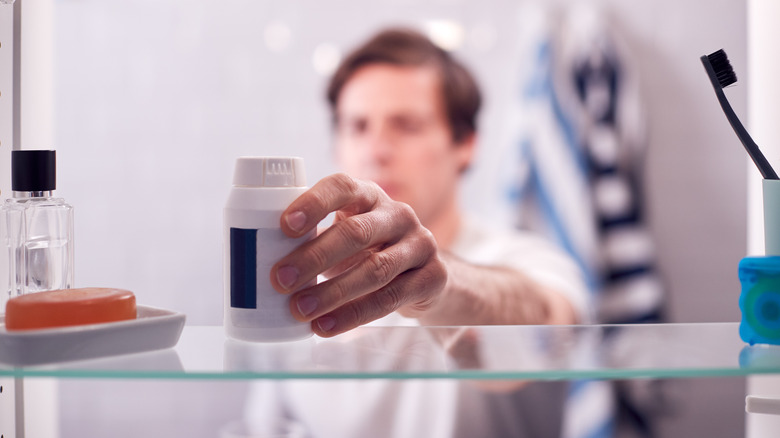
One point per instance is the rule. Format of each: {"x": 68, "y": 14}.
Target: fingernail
{"x": 326, "y": 323}
{"x": 296, "y": 220}
{"x": 307, "y": 304}
{"x": 287, "y": 276}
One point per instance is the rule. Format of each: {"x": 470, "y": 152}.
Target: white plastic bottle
{"x": 262, "y": 189}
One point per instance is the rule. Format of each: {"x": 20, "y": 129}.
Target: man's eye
{"x": 409, "y": 126}
{"x": 354, "y": 126}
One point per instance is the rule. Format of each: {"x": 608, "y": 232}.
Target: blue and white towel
{"x": 577, "y": 140}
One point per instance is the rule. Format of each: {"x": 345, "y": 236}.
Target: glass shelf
{"x": 479, "y": 352}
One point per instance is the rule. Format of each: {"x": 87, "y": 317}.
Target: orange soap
{"x": 66, "y": 307}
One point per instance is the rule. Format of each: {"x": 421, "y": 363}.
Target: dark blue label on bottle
{"x": 243, "y": 268}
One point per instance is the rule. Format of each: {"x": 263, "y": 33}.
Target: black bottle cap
{"x": 33, "y": 171}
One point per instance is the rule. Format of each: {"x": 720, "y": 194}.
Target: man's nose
{"x": 380, "y": 145}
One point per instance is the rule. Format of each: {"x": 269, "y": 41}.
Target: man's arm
{"x": 482, "y": 295}
{"x": 378, "y": 259}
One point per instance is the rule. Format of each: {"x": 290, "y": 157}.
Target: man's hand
{"x": 377, "y": 257}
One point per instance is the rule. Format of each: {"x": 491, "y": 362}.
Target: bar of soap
{"x": 68, "y": 307}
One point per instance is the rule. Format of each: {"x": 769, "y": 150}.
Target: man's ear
{"x": 464, "y": 151}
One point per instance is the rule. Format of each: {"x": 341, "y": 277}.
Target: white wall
{"x": 764, "y": 107}
{"x": 154, "y": 100}
{"x": 6, "y": 125}
{"x": 7, "y": 411}
{"x": 36, "y": 132}
{"x": 152, "y": 108}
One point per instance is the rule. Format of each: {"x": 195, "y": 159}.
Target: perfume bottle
{"x": 37, "y": 228}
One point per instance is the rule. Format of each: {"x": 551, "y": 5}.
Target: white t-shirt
{"x": 433, "y": 408}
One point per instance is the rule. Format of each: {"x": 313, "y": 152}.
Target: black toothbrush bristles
{"x": 722, "y": 75}
{"x": 723, "y": 69}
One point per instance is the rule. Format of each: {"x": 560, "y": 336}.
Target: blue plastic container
{"x": 759, "y": 300}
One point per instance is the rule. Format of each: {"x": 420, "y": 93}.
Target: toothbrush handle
{"x": 752, "y": 148}
{"x": 747, "y": 141}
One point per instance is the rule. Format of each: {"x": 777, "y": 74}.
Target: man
{"x": 400, "y": 251}
{"x": 405, "y": 118}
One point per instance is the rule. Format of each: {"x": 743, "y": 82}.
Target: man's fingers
{"x": 350, "y": 262}
{"x": 381, "y": 257}
{"x": 343, "y": 241}
{"x": 332, "y": 193}
{"x": 382, "y": 302}
{"x": 371, "y": 274}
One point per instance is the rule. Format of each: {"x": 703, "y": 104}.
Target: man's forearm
{"x": 486, "y": 295}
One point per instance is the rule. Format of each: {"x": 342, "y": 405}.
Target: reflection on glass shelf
{"x": 484, "y": 352}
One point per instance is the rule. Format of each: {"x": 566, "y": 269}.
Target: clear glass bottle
{"x": 37, "y": 228}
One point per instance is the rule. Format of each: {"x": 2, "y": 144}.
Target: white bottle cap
{"x": 269, "y": 172}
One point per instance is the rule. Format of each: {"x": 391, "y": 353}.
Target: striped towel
{"x": 576, "y": 178}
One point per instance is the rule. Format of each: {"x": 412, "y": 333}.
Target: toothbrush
{"x": 722, "y": 75}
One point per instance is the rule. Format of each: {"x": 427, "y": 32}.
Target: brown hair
{"x": 405, "y": 47}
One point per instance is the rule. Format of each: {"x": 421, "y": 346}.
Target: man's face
{"x": 392, "y": 129}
